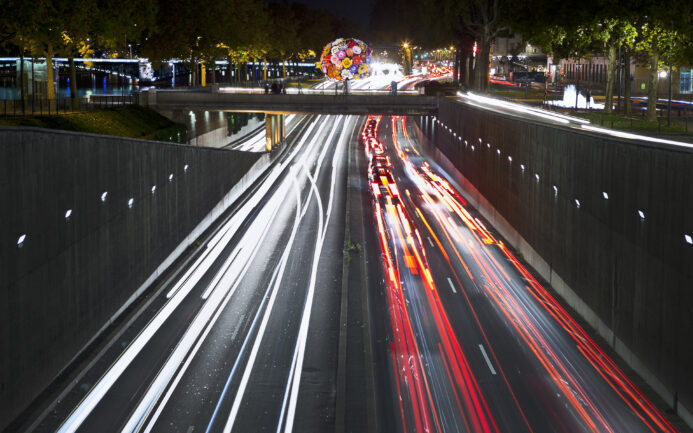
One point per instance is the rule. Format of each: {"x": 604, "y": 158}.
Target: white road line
{"x": 295, "y": 376}
{"x": 203, "y": 322}
{"x": 488, "y": 361}
{"x": 430, "y": 241}
{"x": 238, "y": 326}
{"x": 258, "y": 339}
{"x": 452, "y": 286}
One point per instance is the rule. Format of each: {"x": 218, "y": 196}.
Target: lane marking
{"x": 238, "y": 326}
{"x": 430, "y": 241}
{"x": 452, "y": 286}
{"x": 488, "y": 361}
{"x": 299, "y": 353}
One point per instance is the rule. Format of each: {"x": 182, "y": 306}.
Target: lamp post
{"x": 407, "y": 58}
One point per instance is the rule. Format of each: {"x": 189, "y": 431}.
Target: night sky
{"x": 357, "y": 11}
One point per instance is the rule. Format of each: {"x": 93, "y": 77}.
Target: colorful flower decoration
{"x": 346, "y": 58}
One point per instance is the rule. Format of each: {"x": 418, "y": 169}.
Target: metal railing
{"x": 46, "y": 107}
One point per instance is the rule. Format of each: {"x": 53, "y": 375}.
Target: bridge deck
{"x": 292, "y": 103}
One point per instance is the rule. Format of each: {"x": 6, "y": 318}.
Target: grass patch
{"x": 519, "y": 93}
{"x": 131, "y": 121}
{"x": 635, "y": 124}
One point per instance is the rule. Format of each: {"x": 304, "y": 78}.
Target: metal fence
{"x": 48, "y": 107}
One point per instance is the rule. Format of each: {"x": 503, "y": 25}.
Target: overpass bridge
{"x": 214, "y": 99}
{"x": 276, "y": 106}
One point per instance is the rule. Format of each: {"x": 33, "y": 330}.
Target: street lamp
{"x": 407, "y": 58}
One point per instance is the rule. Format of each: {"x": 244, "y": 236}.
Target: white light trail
{"x": 299, "y": 354}
{"x": 184, "y": 286}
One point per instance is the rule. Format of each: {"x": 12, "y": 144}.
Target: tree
{"x": 480, "y": 20}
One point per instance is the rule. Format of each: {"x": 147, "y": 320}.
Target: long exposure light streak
{"x": 530, "y": 311}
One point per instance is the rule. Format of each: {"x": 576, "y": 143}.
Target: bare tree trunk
{"x": 193, "y": 72}
{"x": 284, "y": 68}
{"x": 22, "y": 80}
{"x": 264, "y": 73}
{"x": 610, "y": 80}
{"x": 481, "y": 68}
{"x": 652, "y": 86}
{"x": 467, "y": 71}
{"x": 456, "y": 76}
{"x": 50, "y": 89}
{"x": 73, "y": 80}
{"x": 627, "y": 105}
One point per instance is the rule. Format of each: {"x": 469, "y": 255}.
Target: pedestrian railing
{"x": 49, "y": 107}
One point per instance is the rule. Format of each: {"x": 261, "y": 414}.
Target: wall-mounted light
{"x": 536, "y": 175}
{"x": 20, "y": 240}
{"x": 103, "y": 196}
{"x": 68, "y": 213}
{"x": 641, "y": 214}
{"x": 170, "y": 177}
{"x": 153, "y": 189}
{"x": 605, "y": 195}
{"x": 131, "y": 202}
{"x": 577, "y": 203}
{"x": 510, "y": 158}
{"x": 689, "y": 239}
{"x": 185, "y": 168}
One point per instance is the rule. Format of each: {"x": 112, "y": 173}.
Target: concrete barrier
{"x": 604, "y": 220}
{"x": 88, "y": 221}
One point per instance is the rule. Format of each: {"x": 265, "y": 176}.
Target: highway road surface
{"x": 244, "y": 337}
{"x": 475, "y": 343}
{"x": 445, "y": 331}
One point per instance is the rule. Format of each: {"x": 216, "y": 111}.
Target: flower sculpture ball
{"x": 346, "y": 58}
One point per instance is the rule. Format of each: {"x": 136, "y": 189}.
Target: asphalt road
{"x": 441, "y": 328}
{"x": 474, "y": 342}
{"x": 245, "y": 337}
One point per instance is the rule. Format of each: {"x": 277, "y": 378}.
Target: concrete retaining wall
{"x": 630, "y": 277}
{"x": 71, "y": 276}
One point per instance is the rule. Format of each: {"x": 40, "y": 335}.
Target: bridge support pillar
{"x": 274, "y": 127}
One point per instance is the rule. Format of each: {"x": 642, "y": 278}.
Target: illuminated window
{"x": 685, "y": 80}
